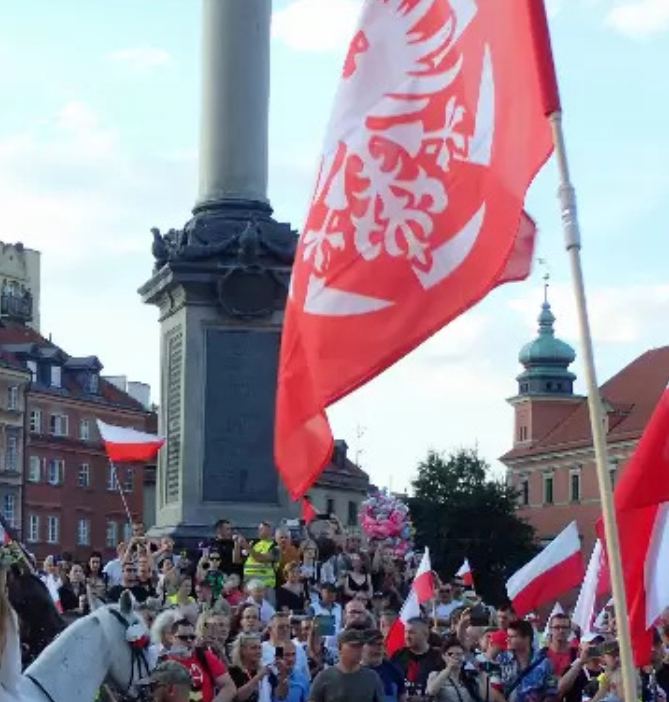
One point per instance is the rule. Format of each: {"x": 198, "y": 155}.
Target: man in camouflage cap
{"x": 169, "y": 682}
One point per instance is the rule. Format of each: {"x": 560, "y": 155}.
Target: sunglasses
{"x": 186, "y": 637}
{"x": 214, "y": 558}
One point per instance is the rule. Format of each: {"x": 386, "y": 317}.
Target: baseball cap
{"x": 592, "y": 637}
{"x": 167, "y": 673}
{"x": 353, "y": 637}
{"x": 499, "y": 638}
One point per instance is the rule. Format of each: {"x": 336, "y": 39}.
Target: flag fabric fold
{"x": 422, "y": 591}
{"x": 554, "y": 571}
{"x": 124, "y": 444}
{"x": 307, "y": 510}
{"x": 436, "y": 132}
{"x": 642, "y": 513}
{"x": 595, "y": 575}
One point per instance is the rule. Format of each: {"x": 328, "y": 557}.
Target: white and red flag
{"x": 595, "y": 584}
{"x": 642, "y": 512}
{"x": 422, "y": 591}
{"x": 437, "y": 130}
{"x": 307, "y": 510}
{"x": 126, "y": 445}
{"x": 465, "y": 572}
{"x": 554, "y": 571}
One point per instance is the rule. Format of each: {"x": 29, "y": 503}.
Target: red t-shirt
{"x": 560, "y": 660}
{"x": 203, "y": 677}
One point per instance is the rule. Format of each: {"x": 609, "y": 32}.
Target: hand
{"x": 605, "y": 683}
{"x": 263, "y": 672}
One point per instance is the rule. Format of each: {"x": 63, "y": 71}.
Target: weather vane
{"x": 546, "y": 276}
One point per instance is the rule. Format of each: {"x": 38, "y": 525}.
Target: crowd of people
{"x": 304, "y": 615}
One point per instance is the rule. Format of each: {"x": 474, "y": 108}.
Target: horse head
{"x": 128, "y": 637}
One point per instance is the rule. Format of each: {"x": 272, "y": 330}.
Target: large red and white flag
{"x": 123, "y": 444}
{"x": 437, "y": 130}
{"x": 465, "y": 572}
{"x": 554, "y": 571}
{"x": 422, "y": 591}
{"x": 642, "y": 513}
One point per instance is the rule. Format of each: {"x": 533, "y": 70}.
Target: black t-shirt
{"x": 287, "y": 599}
{"x": 139, "y": 592}
{"x": 662, "y": 677}
{"x": 225, "y": 548}
{"x": 416, "y": 668}
{"x": 240, "y": 677}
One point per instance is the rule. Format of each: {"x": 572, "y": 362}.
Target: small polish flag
{"x": 465, "y": 573}
{"x": 5, "y": 538}
{"x": 124, "y": 444}
{"x": 53, "y": 591}
{"x": 554, "y": 571}
{"x": 422, "y": 591}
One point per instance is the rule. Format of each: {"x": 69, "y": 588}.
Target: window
{"x": 129, "y": 482}
{"x": 93, "y": 384}
{"x": 33, "y": 528}
{"x": 575, "y": 485}
{"x": 112, "y": 535}
{"x": 525, "y": 492}
{"x": 52, "y": 529}
{"x": 330, "y": 506}
{"x": 127, "y": 531}
{"x": 548, "y": 489}
{"x": 84, "y": 430}
{"x": 9, "y": 509}
{"x": 34, "y": 469}
{"x": 56, "y": 376}
{"x": 84, "y": 476}
{"x": 58, "y": 424}
{"x": 55, "y": 471}
{"x": 84, "y": 532}
{"x": 12, "y": 452}
{"x": 112, "y": 478}
{"x": 522, "y": 434}
{"x": 36, "y": 421}
{"x": 613, "y": 470}
{"x": 352, "y": 513}
{"x": 32, "y": 367}
{"x": 13, "y": 397}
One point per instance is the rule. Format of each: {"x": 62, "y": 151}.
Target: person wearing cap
{"x": 169, "y": 682}
{"x": 610, "y": 681}
{"x": 348, "y": 680}
{"x": 373, "y": 657}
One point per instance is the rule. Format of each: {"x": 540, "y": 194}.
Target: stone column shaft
{"x": 235, "y": 101}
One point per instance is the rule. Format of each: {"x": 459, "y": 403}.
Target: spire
{"x": 546, "y": 359}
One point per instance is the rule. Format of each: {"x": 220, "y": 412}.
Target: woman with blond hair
{"x": 247, "y": 671}
{"x": 213, "y": 631}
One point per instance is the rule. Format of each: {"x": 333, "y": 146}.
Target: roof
{"x": 342, "y": 473}
{"x": 629, "y": 399}
{"x": 17, "y": 339}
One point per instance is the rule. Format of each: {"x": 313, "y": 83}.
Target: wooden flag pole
{"x": 567, "y": 198}
{"x": 121, "y": 492}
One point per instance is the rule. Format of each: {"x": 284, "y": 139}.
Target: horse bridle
{"x": 137, "y": 659}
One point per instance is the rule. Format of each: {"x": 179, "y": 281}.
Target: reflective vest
{"x": 261, "y": 571}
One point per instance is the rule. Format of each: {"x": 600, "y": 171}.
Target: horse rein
{"x": 137, "y": 658}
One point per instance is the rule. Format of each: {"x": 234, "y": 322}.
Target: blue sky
{"x": 98, "y": 142}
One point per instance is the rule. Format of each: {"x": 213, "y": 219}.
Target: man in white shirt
{"x": 114, "y": 569}
{"x": 446, "y": 604}
{"x": 279, "y": 634}
{"x": 256, "y": 596}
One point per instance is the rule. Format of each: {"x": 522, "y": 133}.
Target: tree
{"x": 460, "y": 512}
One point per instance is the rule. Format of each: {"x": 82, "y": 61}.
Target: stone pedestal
{"x": 220, "y": 285}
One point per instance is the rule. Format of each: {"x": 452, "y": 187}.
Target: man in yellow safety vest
{"x": 262, "y": 557}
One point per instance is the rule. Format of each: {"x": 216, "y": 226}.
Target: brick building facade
{"x": 70, "y": 499}
{"x": 552, "y": 463}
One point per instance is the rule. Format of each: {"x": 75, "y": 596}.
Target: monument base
{"x": 220, "y": 285}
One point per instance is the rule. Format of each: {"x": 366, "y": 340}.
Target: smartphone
{"x": 279, "y": 653}
{"x": 326, "y": 624}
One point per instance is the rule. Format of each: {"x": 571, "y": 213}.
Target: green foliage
{"x": 460, "y": 512}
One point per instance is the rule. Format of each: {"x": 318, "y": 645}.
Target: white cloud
{"x": 141, "y": 57}
{"x": 640, "y": 18}
{"x": 316, "y": 25}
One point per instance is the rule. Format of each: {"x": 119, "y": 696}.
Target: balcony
{"x": 17, "y": 305}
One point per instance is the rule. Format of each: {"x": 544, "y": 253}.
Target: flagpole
{"x": 120, "y": 490}
{"x": 567, "y": 198}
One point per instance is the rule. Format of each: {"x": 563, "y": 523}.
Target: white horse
{"x": 110, "y": 644}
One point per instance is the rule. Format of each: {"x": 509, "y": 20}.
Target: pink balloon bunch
{"x": 384, "y": 517}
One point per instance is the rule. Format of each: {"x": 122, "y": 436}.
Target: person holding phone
{"x": 279, "y": 634}
{"x": 291, "y": 685}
